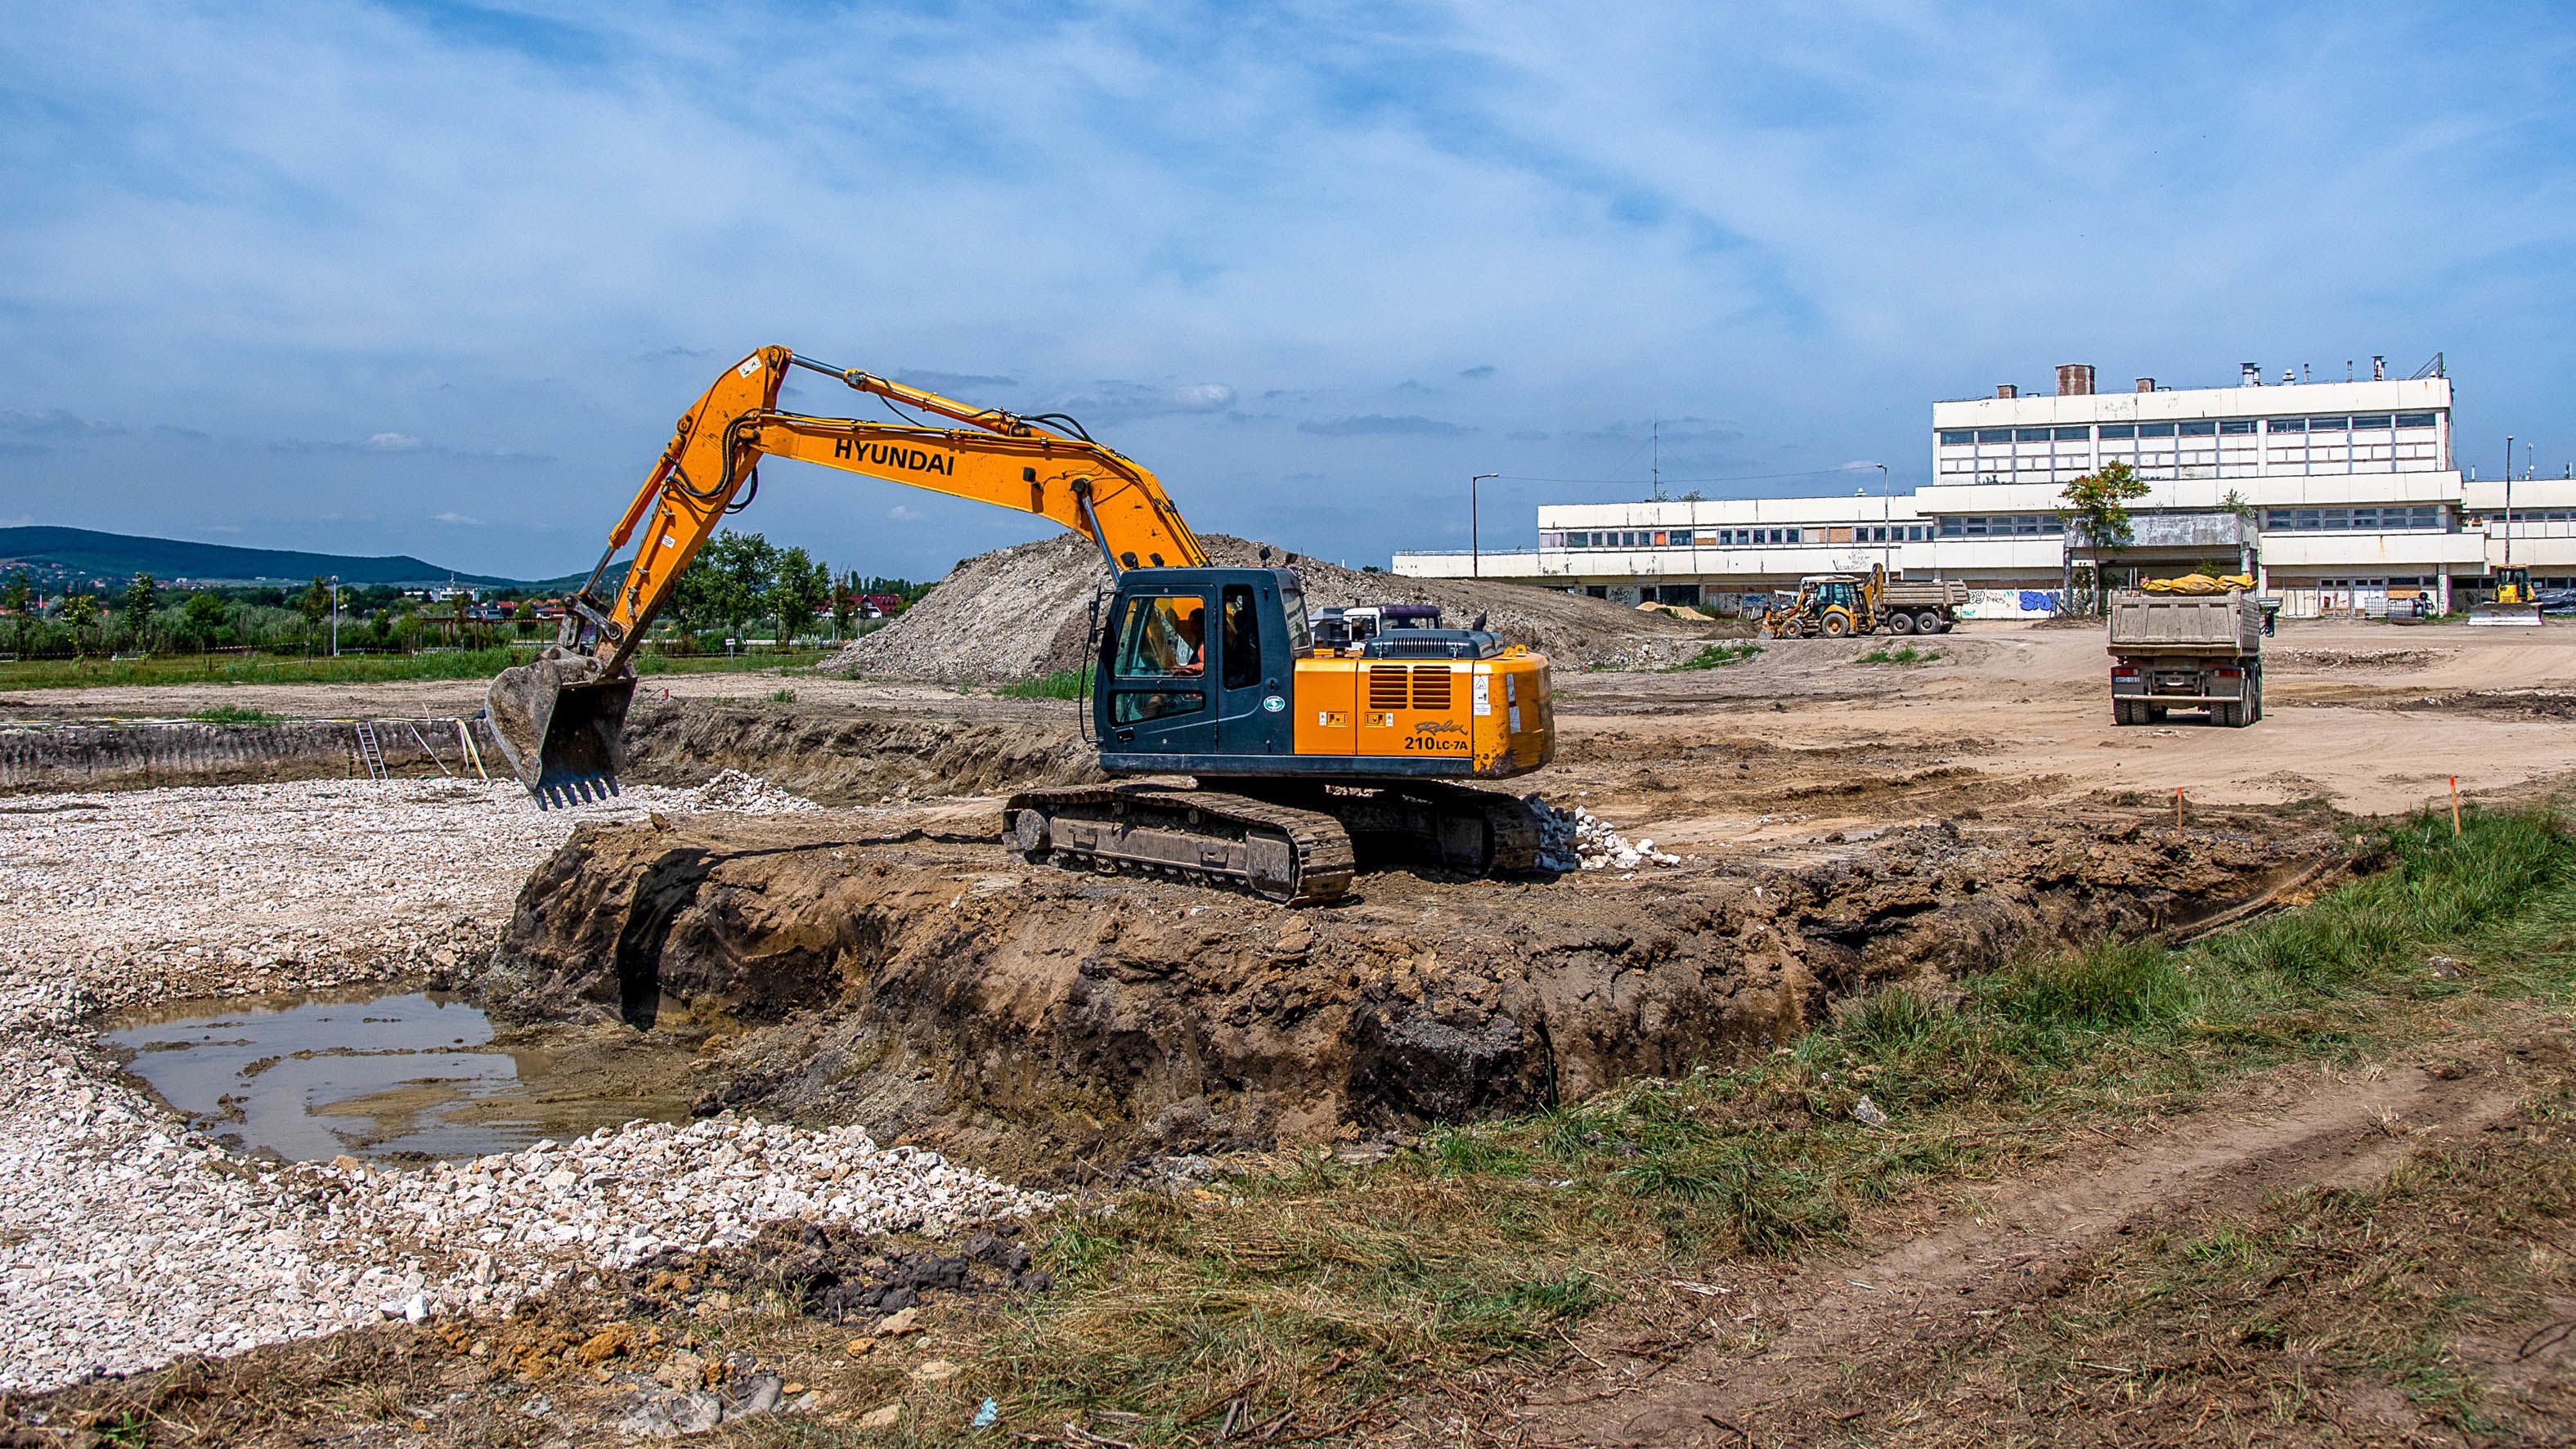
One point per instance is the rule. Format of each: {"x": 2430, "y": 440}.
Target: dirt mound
{"x": 939, "y": 984}
{"x": 1021, "y": 612}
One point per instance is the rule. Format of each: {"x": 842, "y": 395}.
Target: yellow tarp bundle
{"x": 2198, "y": 584}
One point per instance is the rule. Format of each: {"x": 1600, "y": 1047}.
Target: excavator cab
{"x": 1198, "y": 664}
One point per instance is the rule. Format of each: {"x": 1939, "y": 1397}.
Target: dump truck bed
{"x": 1927, "y": 593}
{"x": 2144, "y": 624}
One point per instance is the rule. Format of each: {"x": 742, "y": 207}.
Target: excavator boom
{"x": 560, "y": 719}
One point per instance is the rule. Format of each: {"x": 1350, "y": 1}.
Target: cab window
{"x": 1163, "y": 638}
{"x": 1239, "y": 654}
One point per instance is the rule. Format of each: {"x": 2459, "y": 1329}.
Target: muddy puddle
{"x": 401, "y": 1078}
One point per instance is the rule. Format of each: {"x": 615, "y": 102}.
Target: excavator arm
{"x": 560, "y": 718}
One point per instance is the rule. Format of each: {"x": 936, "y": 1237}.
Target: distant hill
{"x": 82, "y": 553}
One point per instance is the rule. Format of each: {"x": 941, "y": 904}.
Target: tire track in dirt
{"x": 1819, "y": 1321}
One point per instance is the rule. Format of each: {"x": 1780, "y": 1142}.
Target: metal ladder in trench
{"x": 371, "y": 750}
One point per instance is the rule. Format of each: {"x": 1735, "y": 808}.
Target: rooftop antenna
{"x": 2307, "y": 373}
{"x": 1657, "y": 466}
{"x": 2347, "y": 369}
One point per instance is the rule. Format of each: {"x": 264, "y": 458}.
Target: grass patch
{"x": 1715, "y": 656}
{"x": 234, "y": 714}
{"x": 782, "y": 696}
{"x": 182, "y": 669}
{"x": 1313, "y": 1287}
{"x": 2274, "y": 1318}
{"x": 1902, "y": 654}
{"x": 1063, "y": 684}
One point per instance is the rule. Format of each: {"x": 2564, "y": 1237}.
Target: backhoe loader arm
{"x": 559, "y": 718}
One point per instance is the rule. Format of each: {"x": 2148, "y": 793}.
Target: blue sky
{"x": 436, "y": 278}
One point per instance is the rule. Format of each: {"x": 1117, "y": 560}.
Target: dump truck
{"x": 1835, "y": 605}
{"x": 2186, "y": 651}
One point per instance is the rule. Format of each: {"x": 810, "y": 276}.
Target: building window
{"x": 2155, "y": 430}
{"x": 2073, "y": 435}
{"x": 2286, "y": 425}
{"x": 2198, "y": 430}
{"x": 2414, "y": 420}
{"x": 2236, "y": 427}
{"x": 1994, "y": 435}
{"x": 2118, "y": 430}
{"x": 2030, "y": 435}
{"x": 1954, "y": 436}
{"x": 1919, "y": 532}
{"x": 2374, "y": 420}
{"x": 2328, "y": 425}
{"x": 2423, "y": 517}
{"x": 1684, "y": 538}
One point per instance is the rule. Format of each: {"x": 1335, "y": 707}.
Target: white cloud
{"x": 456, "y": 518}
{"x": 392, "y": 443}
{"x": 903, "y": 513}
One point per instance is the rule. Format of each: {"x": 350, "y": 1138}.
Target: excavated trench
{"x": 918, "y": 978}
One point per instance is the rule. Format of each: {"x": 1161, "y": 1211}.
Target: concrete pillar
{"x": 2442, "y": 590}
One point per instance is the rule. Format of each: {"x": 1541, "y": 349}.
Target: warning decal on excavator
{"x": 1332, "y": 719}
{"x": 1381, "y": 721}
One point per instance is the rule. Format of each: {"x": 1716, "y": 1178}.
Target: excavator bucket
{"x": 562, "y": 721}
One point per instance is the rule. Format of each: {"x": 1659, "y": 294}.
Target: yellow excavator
{"x": 1212, "y": 673}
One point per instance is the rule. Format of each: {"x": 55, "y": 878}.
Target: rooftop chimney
{"x": 2289, "y": 377}
{"x": 2005, "y": 389}
{"x": 2146, "y": 384}
{"x": 2378, "y": 368}
{"x": 2074, "y": 379}
{"x": 2249, "y": 374}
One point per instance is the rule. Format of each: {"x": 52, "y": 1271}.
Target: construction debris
{"x": 1577, "y": 839}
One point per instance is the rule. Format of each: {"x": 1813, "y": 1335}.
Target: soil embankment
{"x": 1020, "y": 612}
{"x": 146, "y": 754}
{"x": 902, "y": 970}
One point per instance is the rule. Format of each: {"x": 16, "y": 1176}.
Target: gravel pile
{"x": 734, "y": 792}
{"x": 127, "y": 1240}
{"x": 1577, "y": 839}
{"x": 1017, "y": 613}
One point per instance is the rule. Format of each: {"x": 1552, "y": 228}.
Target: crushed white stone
{"x": 734, "y": 792}
{"x": 127, "y": 1240}
{"x": 1576, "y": 839}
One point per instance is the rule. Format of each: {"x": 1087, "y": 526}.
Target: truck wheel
{"x": 2124, "y": 713}
{"x": 1928, "y": 622}
{"x": 1837, "y": 625}
{"x": 1900, "y": 623}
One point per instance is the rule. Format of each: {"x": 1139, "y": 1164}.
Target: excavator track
{"x": 1455, "y": 827}
{"x": 1291, "y": 855}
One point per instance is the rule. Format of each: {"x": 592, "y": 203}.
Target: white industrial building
{"x": 2341, "y": 495}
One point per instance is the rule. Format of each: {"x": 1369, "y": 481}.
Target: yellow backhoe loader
{"x": 1207, "y": 672}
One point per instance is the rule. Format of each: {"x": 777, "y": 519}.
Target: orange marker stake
{"x": 2177, "y": 807}
{"x": 2455, "y": 807}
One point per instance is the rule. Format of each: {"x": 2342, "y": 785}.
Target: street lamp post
{"x": 1886, "y": 545}
{"x": 2508, "y": 500}
{"x": 1475, "y": 544}
{"x": 335, "y": 616}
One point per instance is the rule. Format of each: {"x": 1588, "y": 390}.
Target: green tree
{"x": 80, "y": 611}
{"x": 2096, "y": 510}
{"x": 798, "y": 587}
{"x": 203, "y": 618}
{"x": 20, "y": 599}
{"x": 728, "y": 582}
{"x": 845, "y": 604}
{"x": 142, "y": 601}
{"x": 315, "y": 605}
